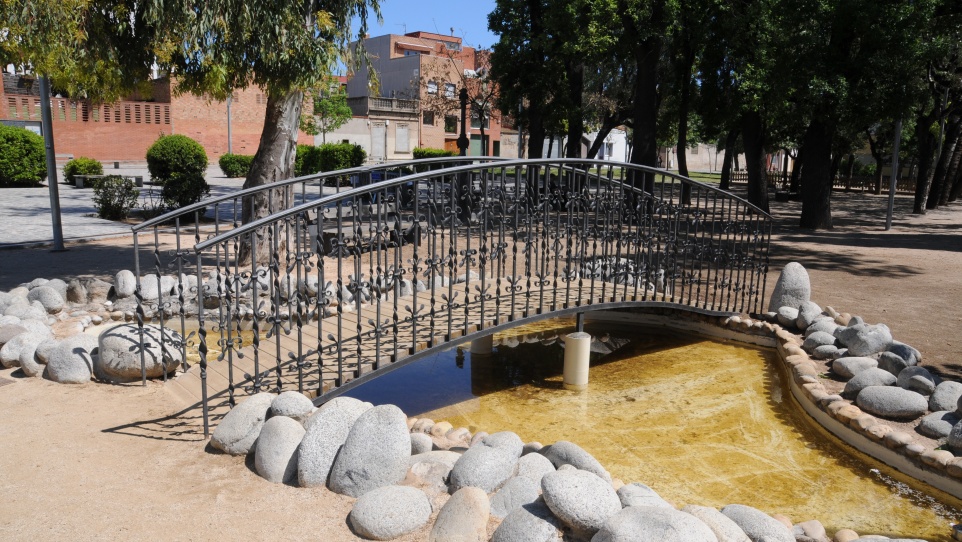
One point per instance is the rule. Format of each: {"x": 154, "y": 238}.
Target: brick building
{"x": 430, "y": 68}
{"x": 124, "y": 130}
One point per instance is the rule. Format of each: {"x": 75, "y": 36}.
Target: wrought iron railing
{"x": 168, "y": 292}
{"x": 324, "y": 295}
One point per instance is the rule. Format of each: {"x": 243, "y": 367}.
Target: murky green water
{"x": 701, "y": 422}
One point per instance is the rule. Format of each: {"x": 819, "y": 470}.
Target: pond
{"x": 700, "y": 421}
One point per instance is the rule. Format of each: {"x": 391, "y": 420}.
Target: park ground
{"x": 102, "y": 462}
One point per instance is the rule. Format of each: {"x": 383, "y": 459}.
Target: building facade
{"x": 430, "y": 69}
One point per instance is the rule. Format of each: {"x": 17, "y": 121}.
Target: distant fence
{"x": 857, "y": 183}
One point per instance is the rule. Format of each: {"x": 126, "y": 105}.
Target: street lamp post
{"x": 47, "y": 124}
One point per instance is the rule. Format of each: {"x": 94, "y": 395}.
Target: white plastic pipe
{"x": 483, "y": 345}
{"x": 577, "y": 357}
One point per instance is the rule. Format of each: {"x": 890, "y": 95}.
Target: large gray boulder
{"x": 808, "y": 312}
{"x": 531, "y": 523}
{"x": 580, "y": 499}
{"x": 851, "y": 366}
{"x": 421, "y": 443}
{"x": 865, "y": 339}
{"x": 46, "y": 349}
{"x": 464, "y": 518}
{"x": 51, "y": 300}
{"x": 640, "y": 495}
{"x": 892, "y": 363}
{"x": 787, "y": 316}
{"x": 865, "y": 379}
{"x": 954, "y": 440}
{"x": 647, "y": 523}
{"x": 27, "y": 310}
{"x": 294, "y": 405}
{"x": 12, "y": 351}
{"x": 28, "y": 361}
{"x": 938, "y": 425}
{"x": 122, "y": 346}
{"x": 919, "y": 380}
{"x": 892, "y": 402}
{"x": 569, "y": 453}
{"x": 484, "y": 467}
{"x": 946, "y": 396}
{"x": 8, "y": 332}
{"x": 389, "y": 512}
{"x": 72, "y": 361}
{"x": 759, "y": 526}
{"x": 909, "y": 353}
{"x": 240, "y": 428}
{"x": 819, "y": 338}
{"x": 724, "y": 528}
{"x": 534, "y": 466}
{"x": 58, "y": 285}
{"x": 515, "y": 493}
{"x": 375, "y": 453}
{"x": 506, "y": 440}
{"x": 792, "y": 289}
{"x": 823, "y": 323}
{"x": 275, "y": 454}
{"x": 326, "y": 431}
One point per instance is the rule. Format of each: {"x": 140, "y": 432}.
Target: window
{"x": 449, "y": 90}
{"x": 432, "y": 87}
{"x": 451, "y": 124}
{"x": 428, "y": 118}
{"x": 401, "y": 140}
{"x": 476, "y": 123}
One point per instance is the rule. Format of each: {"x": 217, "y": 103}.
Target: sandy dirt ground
{"x": 100, "y": 462}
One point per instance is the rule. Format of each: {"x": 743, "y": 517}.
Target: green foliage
{"x": 183, "y": 189}
{"x": 175, "y": 154}
{"x": 329, "y": 157}
{"x": 330, "y": 110}
{"x": 114, "y": 197}
{"x": 81, "y": 166}
{"x": 235, "y": 165}
{"x": 428, "y": 152}
{"x": 178, "y": 163}
{"x": 22, "y": 157}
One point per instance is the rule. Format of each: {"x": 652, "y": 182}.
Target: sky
{"x": 469, "y": 18}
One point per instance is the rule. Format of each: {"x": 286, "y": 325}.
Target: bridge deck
{"x": 276, "y": 356}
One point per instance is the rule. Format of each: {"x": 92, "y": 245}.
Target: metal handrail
{"x": 416, "y": 177}
{"x": 182, "y": 211}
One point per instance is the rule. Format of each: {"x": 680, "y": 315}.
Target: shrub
{"x": 81, "y": 166}
{"x": 235, "y": 165}
{"x": 22, "y": 157}
{"x": 428, "y": 152}
{"x": 175, "y": 154}
{"x": 114, "y": 197}
{"x": 328, "y": 157}
{"x": 178, "y": 163}
{"x": 183, "y": 189}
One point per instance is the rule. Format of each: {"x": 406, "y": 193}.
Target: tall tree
{"x": 330, "y": 110}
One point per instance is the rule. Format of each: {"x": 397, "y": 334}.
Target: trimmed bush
{"x": 22, "y": 157}
{"x": 81, "y": 166}
{"x": 178, "y": 163}
{"x": 183, "y": 189}
{"x": 235, "y": 165}
{"x": 329, "y": 157}
{"x": 428, "y": 152}
{"x": 114, "y": 197}
{"x": 175, "y": 154}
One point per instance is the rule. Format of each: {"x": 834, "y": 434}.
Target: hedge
{"x": 114, "y": 197}
{"x": 175, "y": 154}
{"x": 81, "y": 166}
{"x": 22, "y": 157}
{"x": 235, "y": 165}
{"x": 329, "y": 157}
{"x": 428, "y": 152}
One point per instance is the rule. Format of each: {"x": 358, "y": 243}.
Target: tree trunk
{"x": 926, "y": 142}
{"x": 550, "y": 145}
{"x": 817, "y": 177}
{"x": 954, "y": 180}
{"x": 879, "y": 160}
{"x": 726, "y": 172}
{"x": 755, "y": 162}
{"x": 274, "y": 161}
{"x": 606, "y": 128}
{"x": 576, "y": 121}
{"x": 940, "y": 183}
{"x": 535, "y": 133}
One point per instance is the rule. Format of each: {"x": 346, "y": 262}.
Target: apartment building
{"x": 431, "y": 69}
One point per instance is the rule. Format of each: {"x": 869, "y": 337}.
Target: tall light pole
{"x": 47, "y": 122}
{"x": 463, "y": 138}
{"x": 229, "y": 147}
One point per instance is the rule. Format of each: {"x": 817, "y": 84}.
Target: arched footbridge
{"x": 354, "y": 273}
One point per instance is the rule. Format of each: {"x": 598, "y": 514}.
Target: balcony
{"x": 366, "y": 106}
